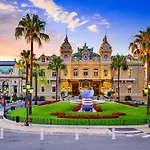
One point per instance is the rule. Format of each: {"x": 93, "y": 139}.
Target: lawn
{"x": 132, "y": 113}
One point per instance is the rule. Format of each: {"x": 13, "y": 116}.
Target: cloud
{"x": 25, "y": 5}
{"x": 93, "y": 28}
{"x": 57, "y": 13}
{"x": 15, "y": 3}
{"x": 7, "y": 7}
{"x": 105, "y": 22}
{"x": 97, "y": 16}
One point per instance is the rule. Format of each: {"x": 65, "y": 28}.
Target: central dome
{"x": 66, "y": 45}
{"x": 105, "y": 46}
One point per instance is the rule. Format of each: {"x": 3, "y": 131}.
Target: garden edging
{"x": 72, "y": 126}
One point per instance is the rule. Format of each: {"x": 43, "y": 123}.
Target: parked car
{"x": 34, "y": 98}
{"x": 41, "y": 98}
{"x": 128, "y": 98}
{"x": 139, "y": 102}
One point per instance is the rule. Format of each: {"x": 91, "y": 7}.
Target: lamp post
{"x": 4, "y": 91}
{"x": 28, "y": 90}
{"x": 147, "y": 92}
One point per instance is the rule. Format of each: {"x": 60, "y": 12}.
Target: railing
{"x": 89, "y": 122}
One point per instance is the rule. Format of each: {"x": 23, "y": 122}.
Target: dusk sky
{"x": 85, "y": 20}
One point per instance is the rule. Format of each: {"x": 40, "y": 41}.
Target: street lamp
{"x": 28, "y": 90}
{"x": 4, "y": 91}
{"x": 147, "y": 93}
{"x": 147, "y": 89}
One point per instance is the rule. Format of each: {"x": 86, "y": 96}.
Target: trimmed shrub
{"x": 128, "y": 103}
{"x": 48, "y": 102}
{"x": 119, "y": 113}
{"x": 14, "y": 97}
{"x": 77, "y": 108}
{"x": 97, "y": 108}
{"x": 83, "y": 116}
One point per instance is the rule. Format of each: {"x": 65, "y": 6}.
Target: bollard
{"x": 113, "y": 134}
{"x": 2, "y": 134}
{"x": 42, "y": 135}
{"x": 77, "y": 136}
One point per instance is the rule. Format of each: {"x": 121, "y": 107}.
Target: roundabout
{"x": 43, "y": 115}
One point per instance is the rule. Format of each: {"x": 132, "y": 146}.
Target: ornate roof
{"x": 79, "y": 55}
{"x": 105, "y": 46}
{"x": 85, "y": 47}
{"x": 94, "y": 55}
{"x": 66, "y": 45}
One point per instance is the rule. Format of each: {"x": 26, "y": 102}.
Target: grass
{"x": 132, "y": 113}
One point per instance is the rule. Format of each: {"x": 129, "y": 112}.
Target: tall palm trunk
{"x": 118, "y": 85}
{"x": 27, "y": 72}
{"x": 56, "y": 83}
{"x": 36, "y": 89}
{"x": 148, "y": 80}
{"x": 30, "y": 102}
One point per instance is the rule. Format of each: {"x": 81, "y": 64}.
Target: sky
{"x": 85, "y": 21}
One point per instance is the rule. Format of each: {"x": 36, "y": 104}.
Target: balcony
{"x": 124, "y": 79}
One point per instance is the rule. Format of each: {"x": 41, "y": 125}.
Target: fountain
{"x": 87, "y": 103}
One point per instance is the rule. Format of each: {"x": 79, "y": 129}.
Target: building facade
{"x": 10, "y": 78}
{"x": 87, "y": 68}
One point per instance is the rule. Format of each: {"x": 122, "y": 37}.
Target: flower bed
{"x": 97, "y": 108}
{"x": 77, "y": 108}
{"x": 87, "y": 116}
{"x": 119, "y": 113}
{"x": 48, "y": 102}
{"x": 128, "y": 103}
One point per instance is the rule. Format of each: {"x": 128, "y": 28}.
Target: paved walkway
{"x": 100, "y": 130}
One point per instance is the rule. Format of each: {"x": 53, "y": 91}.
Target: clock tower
{"x": 66, "y": 50}
{"x": 105, "y": 50}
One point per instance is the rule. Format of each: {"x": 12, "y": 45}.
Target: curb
{"x": 83, "y": 130}
{"x": 77, "y": 126}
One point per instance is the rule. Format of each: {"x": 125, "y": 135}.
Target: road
{"x": 24, "y": 141}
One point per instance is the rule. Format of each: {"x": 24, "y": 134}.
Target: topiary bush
{"x": 14, "y": 97}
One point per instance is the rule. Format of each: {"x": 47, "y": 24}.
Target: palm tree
{"x": 119, "y": 62}
{"x": 57, "y": 64}
{"x": 140, "y": 47}
{"x": 32, "y": 28}
{"x": 24, "y": 62}
{"x": 37, "y": 72}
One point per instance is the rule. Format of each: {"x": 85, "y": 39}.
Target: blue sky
{"x": 86, "y": 21}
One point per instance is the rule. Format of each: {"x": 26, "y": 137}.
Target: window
{"x": 105, "y": 72}
{"x": 43, "y": 58}
{"x": 129, "y": 90}
{"x": 85, "y": 72}
{"x": 42, "y": 89}
{"x": 15, "y": 89}
{"x": 53, "y": 89}
{"x": 65, "y": 72}
{"x": 95, "y": 72}
{"x": 75, "y": 72}
{"x": 129, "y": 73}
{"x": 116, "y": 90}
{"x": 53, "y": 73}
